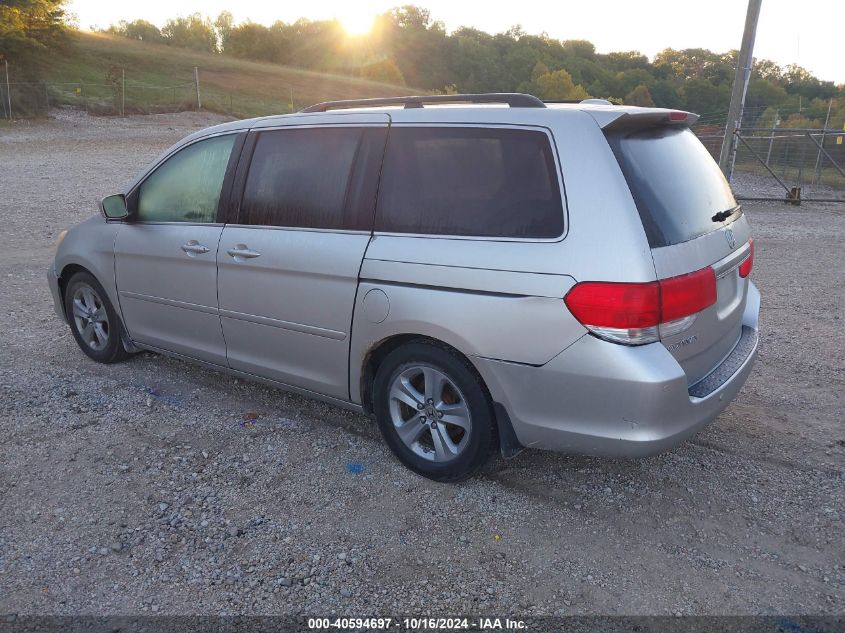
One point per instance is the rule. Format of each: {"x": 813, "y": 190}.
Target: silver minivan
{"x": 481, "y": 273}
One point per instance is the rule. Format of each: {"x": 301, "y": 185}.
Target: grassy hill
{"x": 161, "y": 78}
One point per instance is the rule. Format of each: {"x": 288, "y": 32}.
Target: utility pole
{"x": 197, "y": 82}
{"x": 122, "y": 92}
{"x": 740, "y": 87}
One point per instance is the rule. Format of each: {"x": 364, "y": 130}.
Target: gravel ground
{"x": 155, "y": 486}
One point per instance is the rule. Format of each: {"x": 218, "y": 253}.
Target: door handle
{"x": 194, "y": 248}
{"x": 242, "y": 252}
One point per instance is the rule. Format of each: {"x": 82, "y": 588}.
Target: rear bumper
{"x": 53, "y": 283}
{"x": 599, "y": 398}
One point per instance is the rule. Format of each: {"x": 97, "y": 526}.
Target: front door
{"x": 288, "y": 272}
{"x": 165, "y": 255}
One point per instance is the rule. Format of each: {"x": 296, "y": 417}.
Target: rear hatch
{"x": 693, "y": 223}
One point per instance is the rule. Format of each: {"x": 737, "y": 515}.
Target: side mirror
{"x": 114, "y": 207}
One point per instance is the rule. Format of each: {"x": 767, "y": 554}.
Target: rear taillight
{"x": 639, "y": 313}
{"x": 748, "y": 262}
{"x": 685, "y": 295}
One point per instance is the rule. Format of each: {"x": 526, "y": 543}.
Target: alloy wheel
{"x": 90, "y": 317}
{"x": 429, "y": 413}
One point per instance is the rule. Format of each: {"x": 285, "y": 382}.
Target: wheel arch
{"x": 376, "y": 354}
{"x": 64, "y": 276}
{"x": 505, "y": 438}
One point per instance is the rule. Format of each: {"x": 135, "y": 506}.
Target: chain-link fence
{"x": 779, "y": 156}
{"x": 122, "y": 97}
{"x": 29, "y": 99}
{"x": 794, "y": 157}
{"x": 785, "y": 163}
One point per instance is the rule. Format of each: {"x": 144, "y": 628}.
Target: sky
{"x": 810, "y": 32}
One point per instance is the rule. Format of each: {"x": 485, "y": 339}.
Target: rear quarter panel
{"x": 454, "y": 309}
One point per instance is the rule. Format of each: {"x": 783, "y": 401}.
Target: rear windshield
{"x": 676, "y": 184}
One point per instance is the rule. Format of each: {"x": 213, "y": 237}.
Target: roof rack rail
{"x": 589, "y": 100}
{"x": 513, "y": 99}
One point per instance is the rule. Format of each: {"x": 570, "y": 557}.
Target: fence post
{"x": 816, "y": 171}
{"x": 122, "y": 92}
{"x": 197, "y": 81}
{"x": 47, "y": 97}
{"x": 801, "y": 166}
{"x": 772, "y": 139}
{"x": 8, "y": 88}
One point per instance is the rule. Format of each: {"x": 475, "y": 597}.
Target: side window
{"x": 483, "y": 182}
{"x": 306, "y": 178}
{"x": 186, "y": 187}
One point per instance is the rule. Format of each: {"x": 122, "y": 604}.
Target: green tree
{"x": 762, "y": 92}
{"x": 474, "y": 61}
{"x": 768, "y": 118}
{"x": 703, "y": 97}
{"x": 599, "y": 89}
{"x": 580, "y": 48}
{"x": 29, "y": 29}
{"x": 801, "y": 81}
{"x": 418, "y": 45}
{"x": 630, "y": 79}
{"x": 626, "y": 60}
{"x": 639, "y": 96}
{"x": 796, "y": 120}
{"x": 140, "y": 30}
{"x": 665, "y": 94}
{"x": 194, "y": 32}
{"x": 558, "y": 86}
{"x": 411, "y": 17}
{"x": 223, "y": 26}
{"x": 767, "y": 69}
{"x": 255, "y": 41}
{"x": 539, "y": 70}
{"x": 696, "y": 63}
{"x": 385, "y": 71}
{"x": 316, "y": 43}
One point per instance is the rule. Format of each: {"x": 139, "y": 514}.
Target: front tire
{"x": 92, "y": 319}
{"x": 434, "y": 411}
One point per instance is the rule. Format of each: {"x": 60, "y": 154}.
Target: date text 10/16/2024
{"x": 418, "y": 624}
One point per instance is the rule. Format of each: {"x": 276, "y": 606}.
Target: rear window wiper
{"x": 724, "y": 215}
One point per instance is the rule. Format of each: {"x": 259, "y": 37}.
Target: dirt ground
{"x": 154, "y": 486}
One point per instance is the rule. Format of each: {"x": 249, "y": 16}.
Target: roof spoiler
{"x": 645, "y": 117}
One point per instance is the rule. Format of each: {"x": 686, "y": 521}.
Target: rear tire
{"x": 92, "y": 319}
{"x": 434, "y": 411}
